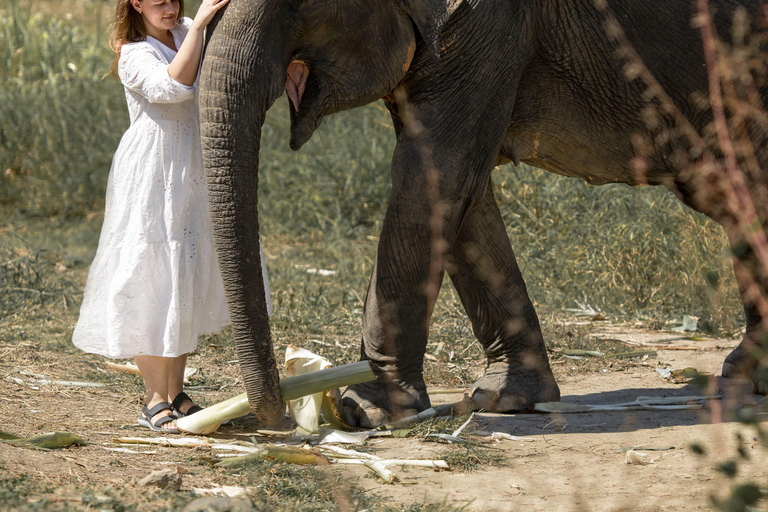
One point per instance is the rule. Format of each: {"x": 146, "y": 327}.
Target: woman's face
{"x": 160, "y": 15}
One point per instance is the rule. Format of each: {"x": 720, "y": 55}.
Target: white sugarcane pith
{"x": 210, "y": 419}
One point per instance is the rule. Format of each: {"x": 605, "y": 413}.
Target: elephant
{"x": 606, "y": 90}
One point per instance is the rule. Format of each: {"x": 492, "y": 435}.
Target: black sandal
{"x": 180, "y": 399}
{"x": 145, "y": 420}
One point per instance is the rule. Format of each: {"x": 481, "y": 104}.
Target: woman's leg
{"x": 155, "y": 371}
{"x": 176, "y": 382}
{"x": 176, "y": 376}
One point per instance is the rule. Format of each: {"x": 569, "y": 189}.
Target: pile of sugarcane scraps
{"x": 318, "y": 455}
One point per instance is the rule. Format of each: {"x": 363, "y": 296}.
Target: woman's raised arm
{"x": 185, "y": 64}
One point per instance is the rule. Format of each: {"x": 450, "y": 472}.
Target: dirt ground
{"x": 574, "y": 461}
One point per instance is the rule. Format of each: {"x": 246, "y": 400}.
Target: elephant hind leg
{"x": 704, "y": 193}
{"x": 750, "y": 359}
{"x": 489, "y": 283}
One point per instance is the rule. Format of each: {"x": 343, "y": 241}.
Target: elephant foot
{"x": 504, "y": 388}
{"x": 749, "y": 361}
{"x": 365, "y": 405}
{"x": 375, "y": 403}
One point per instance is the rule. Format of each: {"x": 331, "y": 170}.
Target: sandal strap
{"x": 158, "y": 407}
{"x": 180, "y": 398}
{"x": 195, "y": 408}
{"x": 162, "y": 420}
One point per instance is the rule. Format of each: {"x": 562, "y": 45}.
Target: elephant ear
{"x": 430, "y": 16}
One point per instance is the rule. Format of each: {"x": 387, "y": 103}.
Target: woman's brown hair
{"x": 128, "y": 27}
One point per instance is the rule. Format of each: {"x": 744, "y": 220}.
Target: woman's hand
{"x": 184, "y": 66}
{"x": 206, "y": 12}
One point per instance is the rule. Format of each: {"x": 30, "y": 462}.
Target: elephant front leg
{"x": 395, "y": 326}
{"x": 485, "y": 274}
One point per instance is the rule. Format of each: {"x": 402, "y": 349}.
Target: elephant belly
{"x": 575, "y": 156}
{"x": 592, "y": 134}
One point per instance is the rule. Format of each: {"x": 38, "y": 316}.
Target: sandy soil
{"x": 578, "y": 461}
{"x": 575, "y": 461}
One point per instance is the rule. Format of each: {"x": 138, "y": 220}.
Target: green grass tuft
{"x": 472, "y": 458}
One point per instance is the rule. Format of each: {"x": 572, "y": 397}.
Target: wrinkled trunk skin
{"x": 239, "y": 81}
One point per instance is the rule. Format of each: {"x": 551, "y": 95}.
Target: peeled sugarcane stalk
{"x": 433, "y": 464}
{"x": 190, "y": 442}
{"x": 43, "y": 380}
{"x": 466, "y": 405}
{"x": 641, "y": 403}
{"x": 382, "y": 471}
{"x": 183, "y": 442}
{"x": 210, "y": 419}
{"x": 346, "y": 456}
{"x": 134, "y": 370}
{"x": 125, "y": 368}
{"x": 290, "y": 454}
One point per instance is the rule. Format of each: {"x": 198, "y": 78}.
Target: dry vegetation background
{"x": 633, "y": 255}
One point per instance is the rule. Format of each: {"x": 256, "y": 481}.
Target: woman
{"x": 154, "y": 285}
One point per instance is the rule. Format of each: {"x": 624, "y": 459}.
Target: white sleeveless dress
{"x": 154, "y": 284}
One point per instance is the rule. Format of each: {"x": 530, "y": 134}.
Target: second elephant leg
{"x": 703, "y": 193}
{"x": 484, "y": 271}
{"x": 396, "y": 323}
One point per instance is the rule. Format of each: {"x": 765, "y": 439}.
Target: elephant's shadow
{"x": 732, "y": 397}
{"x": 596, "y": 422}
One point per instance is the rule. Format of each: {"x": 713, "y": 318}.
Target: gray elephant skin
{"x": 470, "y": 84}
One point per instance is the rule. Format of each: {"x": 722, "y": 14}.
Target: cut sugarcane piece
{"x": 381, "y": 471}
{"x": 7, "y": 436}
{"x": 323, "y": 380}
{"x": 191, "y": 442}
{"x": 125, "y": 368}
{"x": 346, "y": 456}
{"x": 134, "y": 370}
{"x": 48, "y": 441}
{"x": 289, "y": 454}
{"x": 432, "y": 464}
{"x": 462, "y": 407}
{"x": 641, "y": 403}
{"x": 210, "y": 419}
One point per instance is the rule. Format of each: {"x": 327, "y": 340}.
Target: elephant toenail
{"x": 373, "y": 417}
{"x": 484, "y": 399}
{"x": 511, "y": 403}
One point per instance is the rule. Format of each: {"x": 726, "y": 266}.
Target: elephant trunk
{"x": 236, "y": 89}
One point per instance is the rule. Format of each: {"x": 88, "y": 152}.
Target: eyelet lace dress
{"x": 154, "y": 284}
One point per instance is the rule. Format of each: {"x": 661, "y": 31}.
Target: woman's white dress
{"x": 154, "y": 284}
